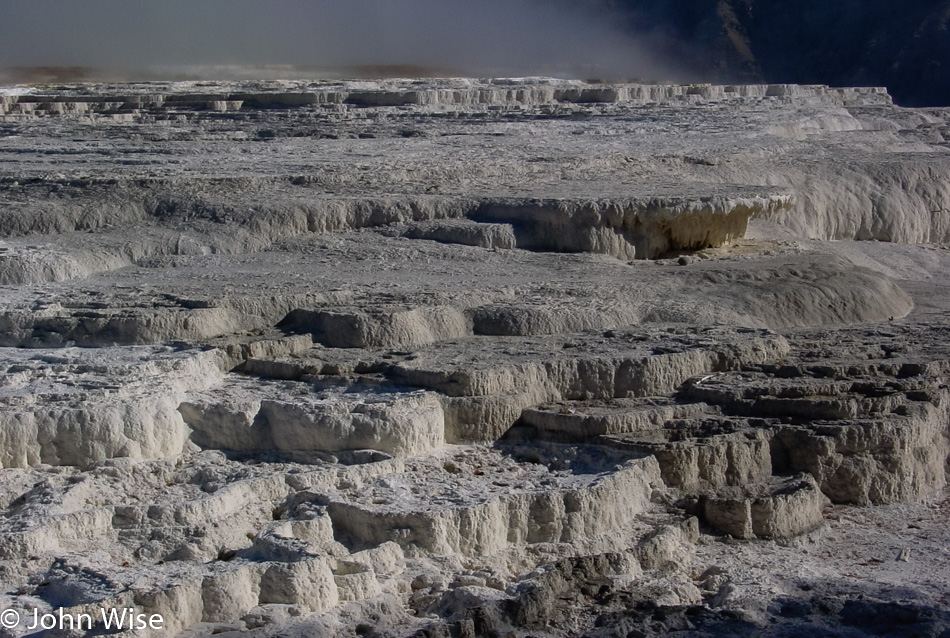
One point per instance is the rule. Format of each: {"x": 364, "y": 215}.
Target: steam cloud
{"x": 472, "y": 36}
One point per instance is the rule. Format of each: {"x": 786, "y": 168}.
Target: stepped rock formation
{"x": 475, "y": 358}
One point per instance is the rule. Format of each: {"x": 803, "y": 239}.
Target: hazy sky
{"x": 518, "y": 35}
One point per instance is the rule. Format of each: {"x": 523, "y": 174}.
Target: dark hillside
{"x": 902, "y": 45}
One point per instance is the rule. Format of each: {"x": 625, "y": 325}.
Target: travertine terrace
{"x": 466, "y": 358}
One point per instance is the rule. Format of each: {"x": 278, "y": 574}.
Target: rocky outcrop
{"x": 782, "y": 510}
{"x": 247, "y": 417}
{"x": 69, "y": 407}
{"x": 487, "y": 525}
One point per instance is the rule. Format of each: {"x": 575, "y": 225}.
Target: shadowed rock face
{"x": 460, "y": 357}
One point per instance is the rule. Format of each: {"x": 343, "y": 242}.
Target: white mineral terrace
{"x": 457, "y": 357}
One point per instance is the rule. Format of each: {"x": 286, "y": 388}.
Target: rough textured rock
{"x": 786, "y": 509}
{"x": 247, "y": 416}
{"x": 75, "y": 407}
{"x": 472, "y": 357}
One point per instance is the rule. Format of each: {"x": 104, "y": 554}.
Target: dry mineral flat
{"x": 509, "y": 357}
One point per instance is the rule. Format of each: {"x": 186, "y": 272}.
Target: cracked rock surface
{"x": 475, "y": 358}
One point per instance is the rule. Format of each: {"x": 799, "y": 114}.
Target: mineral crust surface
{"x": 505, "y": 357}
